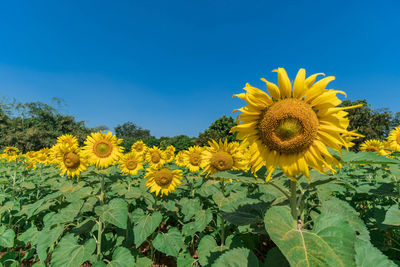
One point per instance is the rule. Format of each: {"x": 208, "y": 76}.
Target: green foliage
{"x": 372, "y": 123}
{"x": 219, "y": 129}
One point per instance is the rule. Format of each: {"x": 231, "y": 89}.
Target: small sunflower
{"x": 131, "y": 163}
{"x": 139, "y": 147}
{"x": 222, "y": 156}
{"x": 373, "y": 145}
{"x": 169, "y": 154}
{"x": 68, "y": 139}
{"x": 293, "y": 126}
{"x": 70, "y": 160}
{"x": 43, "y": 156}
{"x": 155, "y": 157}
{"x": 180, "y": 158}
{"x": 11, "y": 151}
{"x": 163, "y": 181}
{"x": 394, "y": 139}
{"x": 102, "y": 149}
{"x": 193, "y": 158}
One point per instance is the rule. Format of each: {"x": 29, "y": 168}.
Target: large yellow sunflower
{"x": 102, "y": 149}
{"x": 394, "y": 139}
{"x": 222, "y": 156}
{"x": 70, "y": 160}
{"x": 163, "y": 180}
{"x": 139, "y": 147}
{"x": 67, "y": 139}
{"x": 155, "y": 157}
{"x": 374, "y": 145}
{"x": 131, "y": 163}
{"x": 293, "y": 126}
{"x": 193, "y": 158}
{"x": 169, "y": 153}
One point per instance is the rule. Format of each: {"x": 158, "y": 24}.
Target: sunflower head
{"x": 192, "y": 158}
{"x": 102, "y": 149}
{"x": 155, "y": 157}
{"x": 293, "y": 125}
{"x": 180, "y": 158}
{"x": 139, "y": 147}
{"x": 163, "y": 181}
{"x": 394, "y": 139}
{"x": 70, "y": 159}
{"x": 374, "y": 145}
{"x": 68, "y": 139}
{"x": 131, "y": 163}
{"x": 222, "y": 156}
{"x": 11, "y": 151}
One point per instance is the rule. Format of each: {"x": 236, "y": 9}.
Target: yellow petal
{"x": 299, "y": 87}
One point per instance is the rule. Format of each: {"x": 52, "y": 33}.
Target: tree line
{"x": 34, "y": 125}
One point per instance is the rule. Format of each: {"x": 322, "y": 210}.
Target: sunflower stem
{"x": 100, "y": 223}
{"x": 293, "y": 199}
{"x": 222, "y": 218}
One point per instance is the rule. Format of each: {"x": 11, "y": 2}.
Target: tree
{"x": 130, "y": 130}
{"x": 373, "y": 124}
{"x": 219, "y": 129}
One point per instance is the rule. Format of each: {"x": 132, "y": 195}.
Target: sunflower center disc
{"x": 139, "y": 148}
{"x": 372, "y": 149}
{"x": 222, "y": 161}
{"x": 155, "y": 157}
{"x": 103, "y": 149}
{"x": 195, "y": 159}
{"x": 71, "y": 160}
{"x": 163, "y": 178}
{"x": 131, "y": 164}
{"x": 288, "y": 126}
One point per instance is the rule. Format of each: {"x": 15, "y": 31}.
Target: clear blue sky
{"x": 172, "y": 66}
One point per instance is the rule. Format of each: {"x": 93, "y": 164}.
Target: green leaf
{"x": 201, "y": 220}
{"x": 144, "y": 262}
{"x": 47, "y": 238}
{"x": 115, "y": 212}
{"x": 206, "y": 250}
{"x": 30, "y": 236}
{"x": 276, "y": 258}
{"x": 237, "y": 257}
{"x": 122, "y": 257}
{"x": 184, "y": 259}
{"x": 169, "y": 243}
{"x": 306, "y": 248}
{"x": 367, "y": 255}
{"x": 246, "y": 214}
{"x": 189, "y": 207}
{"x": 393, "y": 216}
{"x": 336, "y": 206}
{"x": 366, "y": 158}
{"x": 146, "y": 226}
{"x": 70, "y": 253}
{"x": 6, "y": 237}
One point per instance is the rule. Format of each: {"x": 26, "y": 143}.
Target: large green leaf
{"x": 169, "y": 243}
{"x": 30, "y": 236}
{"x": 122, "y": 257}
{"x": 308, "y": 248}
{"x": 69, "y": 253}
{"x": 115, "y": 212}
{"x": 393, "y": 216}
{"x": 6, "y": 237}
{"x": 47, "y": 238}
{"x": 367, "y": 255}
{"x": 336, "y": 206}
{"x": 66, "y": 214}
{"x": 189, "y": 207}
{"x": 206, "y": 246}
{"x": 146, "y": 225}
{"x": 366, "y": 158}
{"x": 240, "y": 257}
{"x": 201, "y": 219}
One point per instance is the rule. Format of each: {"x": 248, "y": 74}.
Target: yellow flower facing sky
{"x": 293, "y": 126}
{"x": 163, "y": 181}
{"x": 131, "y": 163}
{"x": 102, "y": 149}
{"x": 192, "y": 158}
{"x": 139, "y": 147}
{"x": 70, "y": 160}
{"x": 222, "y": 156}
{"x": 394, "y": 139}
{"x": 374, "y": 145}
{"x": 155, "y": 157}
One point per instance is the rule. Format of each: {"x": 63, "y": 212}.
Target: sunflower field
{"x": 290, "y": 193}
